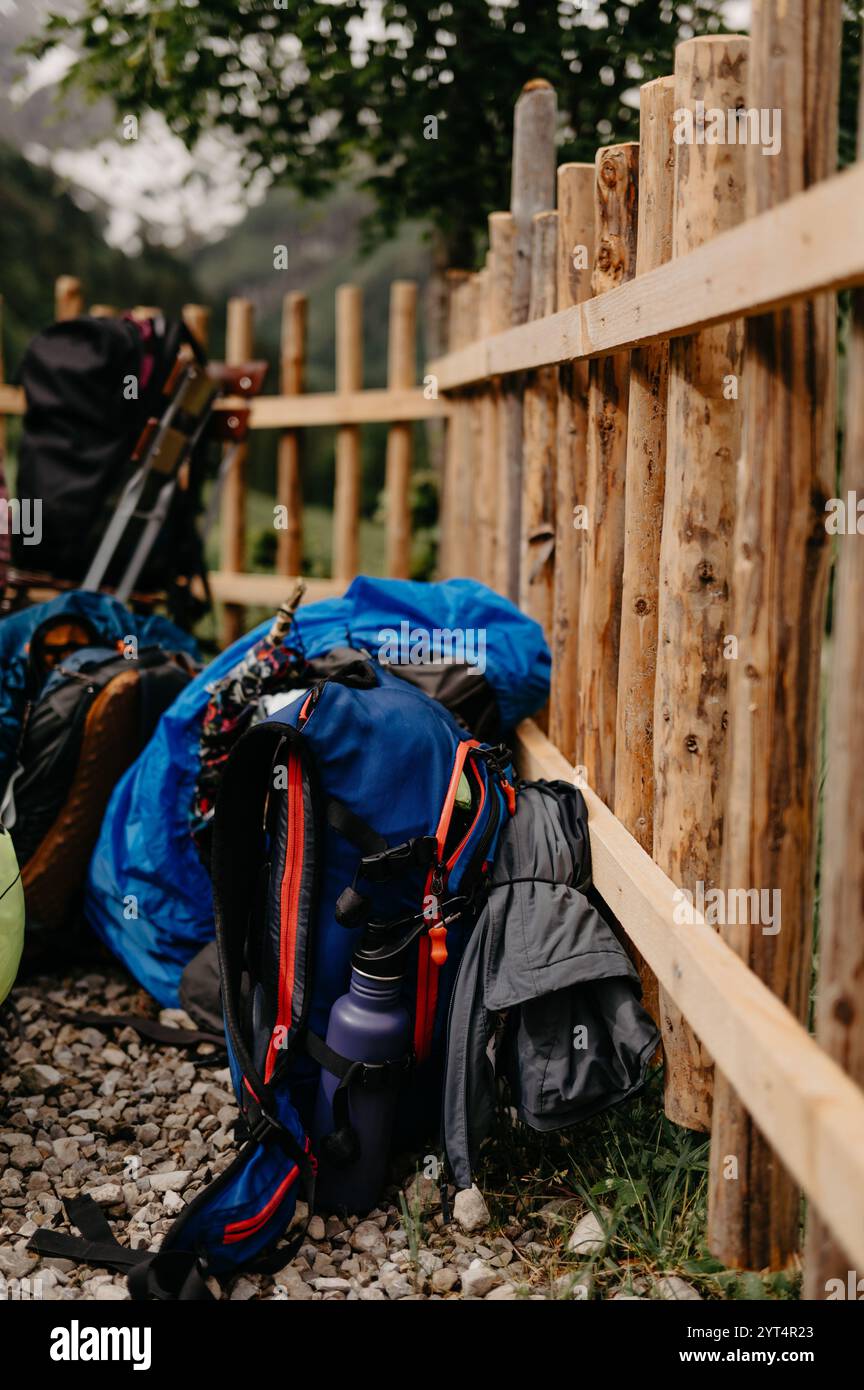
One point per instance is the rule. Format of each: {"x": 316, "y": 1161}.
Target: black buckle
{"x": 417, "y": 853}
{"x": 378, "y": 1076}
{"x": 263, "y": 1125}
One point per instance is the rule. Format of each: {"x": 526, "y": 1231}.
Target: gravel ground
{"x": 142, "y": 1129}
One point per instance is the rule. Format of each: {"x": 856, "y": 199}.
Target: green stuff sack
{"x": 11, "y": 914}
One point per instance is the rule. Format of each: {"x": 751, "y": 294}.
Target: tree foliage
{"x": 415, "y": 97}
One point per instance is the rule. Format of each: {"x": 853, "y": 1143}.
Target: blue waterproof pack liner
{"x": 148, "y": 896}
{"x": 303, "y": 795}
{"x": 110, "y": 619}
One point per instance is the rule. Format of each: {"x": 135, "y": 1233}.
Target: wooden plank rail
{"x": 375, "y": 406}
{"x": 767, "y": 263}
{"x": 802, "y": 1101}
{"x": 268, "y": 590}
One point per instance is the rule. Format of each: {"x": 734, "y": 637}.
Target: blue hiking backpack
{"x": 346, "y": 807}
{"x": 145, "y": 852}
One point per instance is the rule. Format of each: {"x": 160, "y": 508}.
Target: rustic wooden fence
{"x": 641, "y": 448}
{"x": 640, "y": 394}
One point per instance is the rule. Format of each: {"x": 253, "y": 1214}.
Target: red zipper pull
{"x": 438, "y": 944}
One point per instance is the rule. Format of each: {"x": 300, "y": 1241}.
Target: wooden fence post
{"x": 643, "y": 512}
{"x": 68, "y": 298}
{"x": 239, "y": 339}
{"x": 702, "y": 442}
{"x": 401, "y": 372}
{"x": 779, "y": 578}
{"x": 197, "y": 319}
{"x": 502, "y": 246}
{"x": 839, "y": 1014}
{"x": 486, "y": 474}
{"x": 453, "y": 442}
{"x": 349, "y": 377}
{"x": 539, "y": 424}
{"x": 532, "y": 190}
{"x": 616, "y": 195}
{"x": 467, "y": 305}
{"x": 575, "y": 265}
{"x": 289, "y": 485}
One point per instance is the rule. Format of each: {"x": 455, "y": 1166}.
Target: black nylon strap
{"x": 96, "y": 1245}
{"x": 354, "y": 828}
{"x": 331, "y": 1061}
{"x": 148, "y": 1028}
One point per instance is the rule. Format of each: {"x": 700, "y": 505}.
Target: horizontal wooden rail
{"x": 766, "y": 263}
{"x": 338, "y": 408}
{"x": 317, "y": 408}
{"x": 268, "y": 590}
{"x": 805, "y": 1105}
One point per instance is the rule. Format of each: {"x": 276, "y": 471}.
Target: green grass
{"x": 645, "y": 1178}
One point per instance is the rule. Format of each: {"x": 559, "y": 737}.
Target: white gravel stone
{"x": 478, "y": 1279}
{"x": 470, "y": 1209}
{"x": 108, "y": 1194}
{"x": 587, "y": 1236}
{"x": 673, "y": 1287}
{"x": 38, "y": 1078}
{"x": 169, "y": 1182}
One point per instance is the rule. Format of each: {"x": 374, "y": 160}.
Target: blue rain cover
{"x": 109, "y": 618}
{"x": 148, "y": 896}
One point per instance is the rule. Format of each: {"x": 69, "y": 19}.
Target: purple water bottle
{"x": 353, "y": 1122}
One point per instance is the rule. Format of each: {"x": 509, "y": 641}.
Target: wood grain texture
{"x": 349, "y": 377}
{"x": 702, "y": 445}
{"x": 539, "y": 441}
{"x": 289, "y": 485}
{"x": 508, "y": 437}
{"x": 616, "y": 195}
{"x": 780, "y": 573}
{"x": 401, "y": 372}
{"x": 646, "y": 474}
{"x": 486, "y": 478}
{"x": 763, "y": 265}
{"x": 840, "y": 997}
{"x": 453, "y": 444}
{"x": 575, "y": 261}
{"x": 239, "y": 347}
{"x": 328, "y": 408}
{"x": 532, "y": 191}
